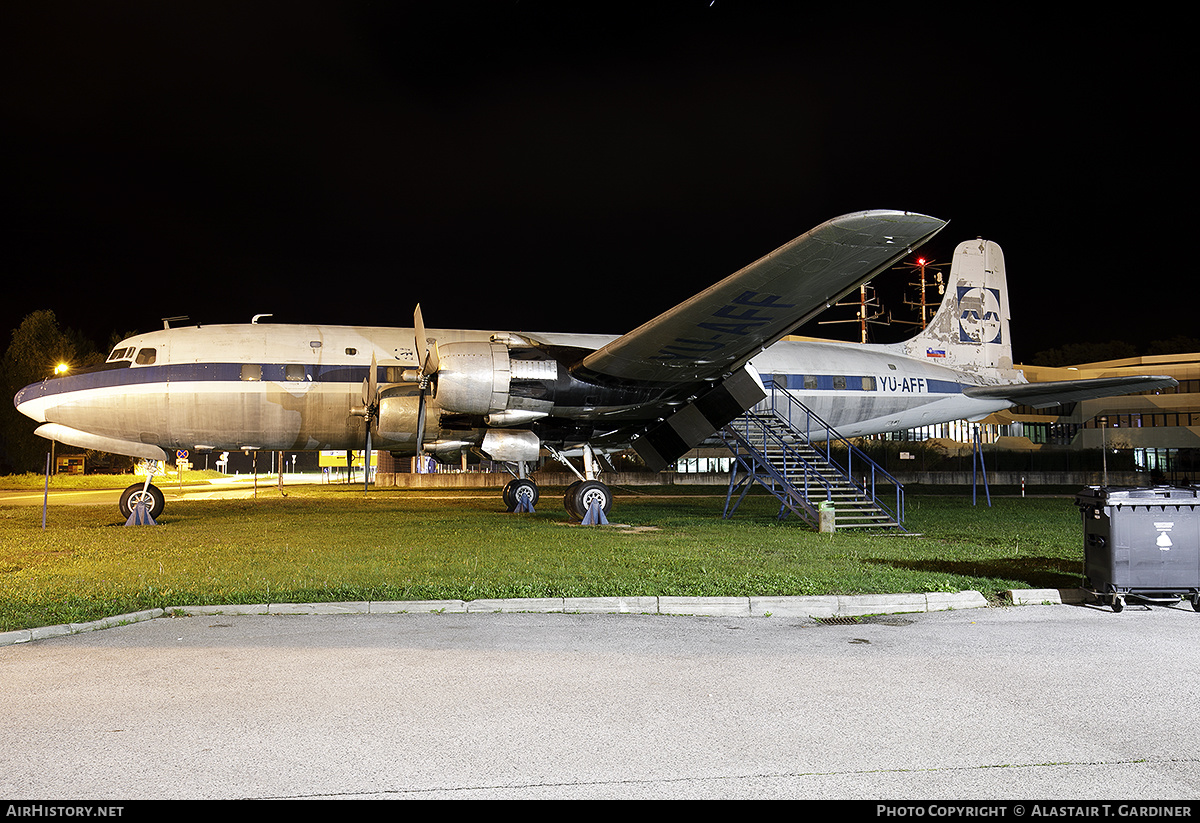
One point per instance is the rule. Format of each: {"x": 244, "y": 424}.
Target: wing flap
{"x": 1055, "y": 393}
{"x": 672, "y": 438}
{"x": 720, "y": 329}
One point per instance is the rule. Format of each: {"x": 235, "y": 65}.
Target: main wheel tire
{"x": 518, "y": 490}
{"x": 581, "y": 495}
{"x": 568, "y": 500}
{"x": 141, "y": 493}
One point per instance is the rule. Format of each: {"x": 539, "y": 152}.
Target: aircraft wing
{"x": 1041, "y": 395}
{"x": 84, "y": 440}
{"x": 720, "y": 329}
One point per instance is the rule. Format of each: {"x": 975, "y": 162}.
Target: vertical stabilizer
{"x": 970, "y": 331}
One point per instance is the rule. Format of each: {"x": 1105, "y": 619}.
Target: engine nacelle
{"x": 398, "y": 412}
{"x": 473, "y": 378}
{"x": 484, "y": 378}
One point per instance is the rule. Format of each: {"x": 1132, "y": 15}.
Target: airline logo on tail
{"x": 978, "y": 315}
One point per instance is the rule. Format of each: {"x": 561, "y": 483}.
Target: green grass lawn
{"x": 332, "y": 543}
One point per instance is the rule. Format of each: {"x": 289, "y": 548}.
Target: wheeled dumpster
{"x": 1141, "y": 544}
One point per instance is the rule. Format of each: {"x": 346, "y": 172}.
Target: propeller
{"x": 427, "y": 367}
{"x": 370, "y": 412}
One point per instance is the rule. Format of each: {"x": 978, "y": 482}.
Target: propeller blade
{"x": 421, "y": 423}
{"x": 419, "y": 344}
{"x": 370, "y": 396}
{"x": 367, "y": 460}
{"x": 371, "y": 385}
{"x": 427, "y": 356}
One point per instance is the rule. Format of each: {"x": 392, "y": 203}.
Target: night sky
{"x": 574, "y": 166}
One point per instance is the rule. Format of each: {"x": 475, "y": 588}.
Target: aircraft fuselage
{"x": 287, "y": 387}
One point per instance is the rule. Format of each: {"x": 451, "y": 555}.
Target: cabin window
{"x": 868, "y": 384}
{"x": 251, "y": 371}
{"x": 839, "y": 381}
{"x": 810, "y": 382}
{"x": 145, "y": 357}
{"x": 294, "y": 372}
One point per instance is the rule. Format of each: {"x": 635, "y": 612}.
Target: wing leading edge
{"x": 719, "y": 330}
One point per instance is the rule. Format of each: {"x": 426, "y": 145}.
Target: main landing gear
{"x": 520, "y": 495}
{"x": 582, "y": 495}
{"x": 586, "y": 500}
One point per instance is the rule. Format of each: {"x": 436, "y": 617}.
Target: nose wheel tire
{"x": 140, "y": 493}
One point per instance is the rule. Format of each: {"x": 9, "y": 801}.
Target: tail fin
{"x": 970, "y": 330}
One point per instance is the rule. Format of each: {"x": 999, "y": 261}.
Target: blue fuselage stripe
{"x": 181, "y": 373}
{"x": 198, "y": 372}
{"x": 865, "y": 383}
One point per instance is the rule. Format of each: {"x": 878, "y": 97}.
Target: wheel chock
{"x": 595, "y": 515}
{"x": 140, "y": 517}
{"x": 523, "y": 505}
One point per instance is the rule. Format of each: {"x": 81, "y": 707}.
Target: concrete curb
{"x": 811, "y": 607}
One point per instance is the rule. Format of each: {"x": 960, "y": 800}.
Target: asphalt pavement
{"x": 1065, "y": 701}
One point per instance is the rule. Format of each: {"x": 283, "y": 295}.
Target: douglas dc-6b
{"x": 661, "y": 389}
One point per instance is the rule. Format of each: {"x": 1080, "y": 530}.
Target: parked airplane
{"x": 663, "y": 388}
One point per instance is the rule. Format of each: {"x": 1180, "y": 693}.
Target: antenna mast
{"x": 927, "y": 270}
{"x": 866, "y": 303}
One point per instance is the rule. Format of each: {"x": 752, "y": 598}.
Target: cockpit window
{"x": 123, "y": 353}
{"x": 145, "y": 357}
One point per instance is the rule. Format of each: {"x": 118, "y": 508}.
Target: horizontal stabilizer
{"x": 1042, "y": 395}
{"x": 111, "y": 445}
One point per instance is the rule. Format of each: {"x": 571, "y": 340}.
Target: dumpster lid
{"x": 1133, "y": 495}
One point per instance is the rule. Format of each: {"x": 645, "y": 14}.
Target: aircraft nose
{"x": 25, "y": 401}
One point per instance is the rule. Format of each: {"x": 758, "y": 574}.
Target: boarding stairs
{"x": 784, "y": 446}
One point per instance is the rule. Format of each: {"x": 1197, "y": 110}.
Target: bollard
{"x": 828, "y": 517}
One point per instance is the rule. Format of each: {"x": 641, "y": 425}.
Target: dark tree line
{"x": 35, "y": 348}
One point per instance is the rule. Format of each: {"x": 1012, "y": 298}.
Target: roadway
{"x": 1019, "y": 703}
